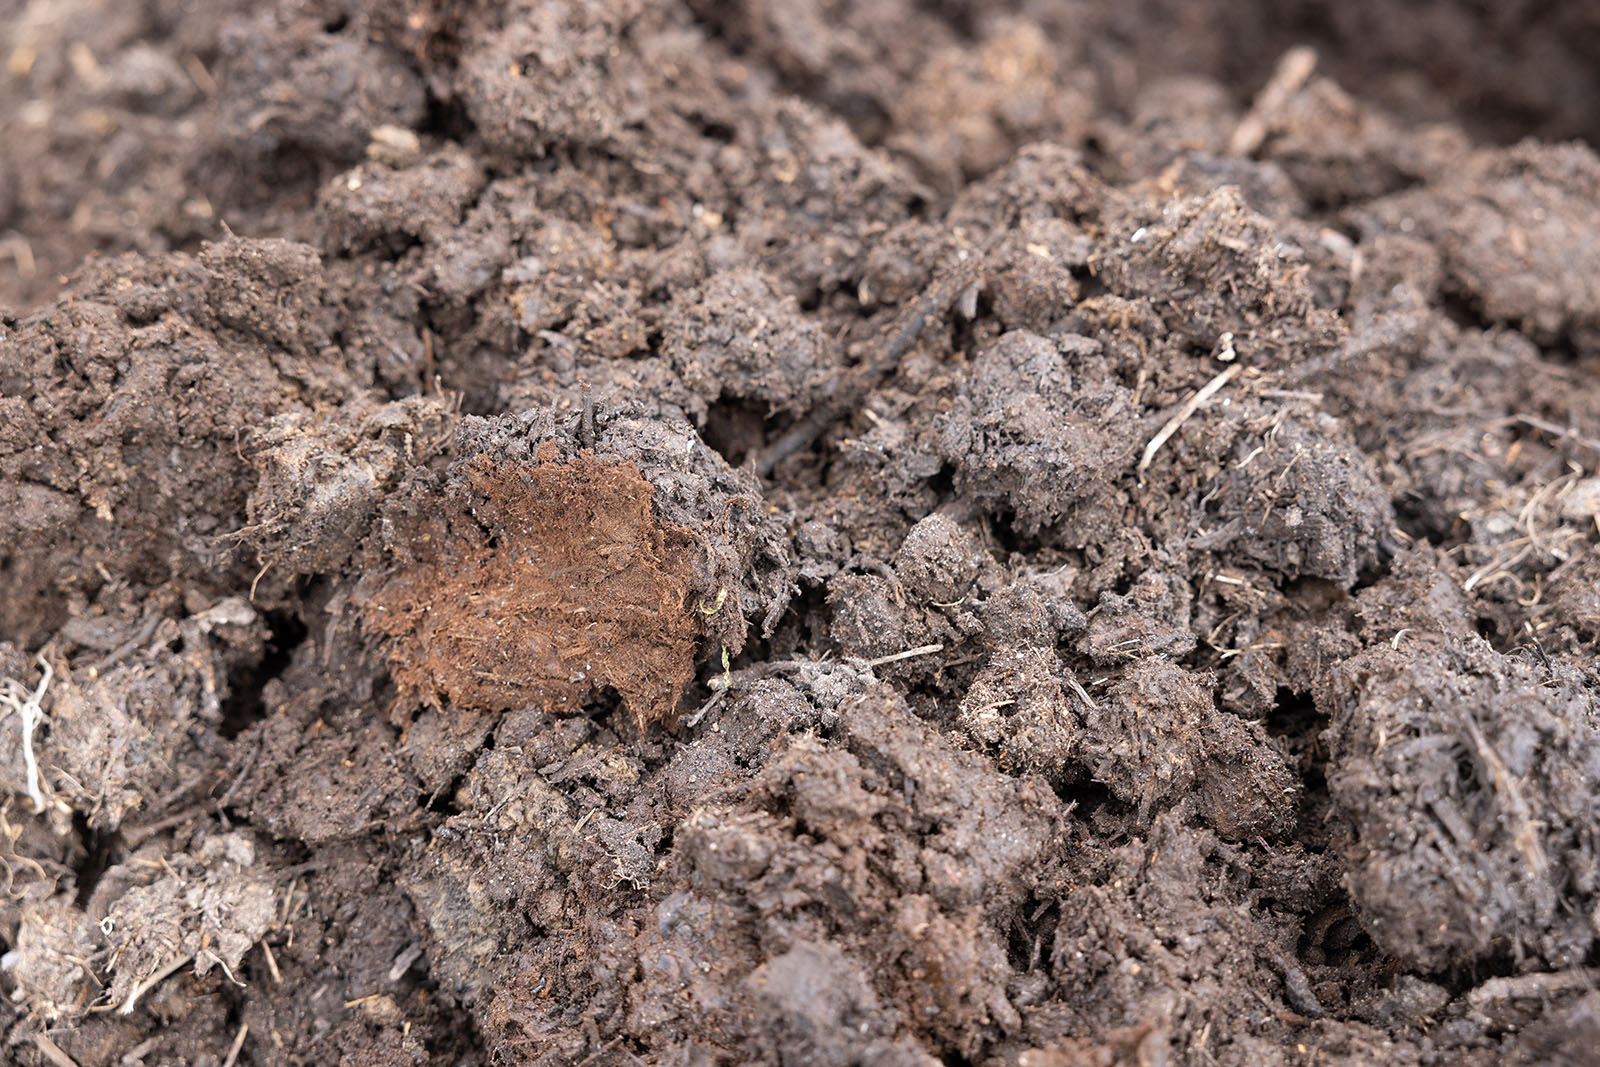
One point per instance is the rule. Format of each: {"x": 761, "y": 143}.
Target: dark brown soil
{"x": 1063, "y": 532}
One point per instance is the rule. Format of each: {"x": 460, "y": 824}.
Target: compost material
{"x": 1054, "y": 533}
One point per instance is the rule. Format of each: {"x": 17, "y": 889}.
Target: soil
{"x": 1051, "y": 533}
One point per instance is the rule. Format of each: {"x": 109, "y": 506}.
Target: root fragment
{"x": 923, "y": 650}
{"x": 150, "y": 983}
{"x": 28, "y": 706}
{"x": 1206, "y": 392}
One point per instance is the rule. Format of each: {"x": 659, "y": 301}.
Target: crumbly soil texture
{"x": 661, "y": 532}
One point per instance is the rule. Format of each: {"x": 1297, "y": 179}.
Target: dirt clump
{"x": 1501, "y": 753}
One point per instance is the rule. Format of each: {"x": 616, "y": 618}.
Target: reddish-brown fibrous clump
{"x": 536, "y": 583}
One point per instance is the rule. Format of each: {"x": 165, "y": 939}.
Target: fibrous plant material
{"x": 840, "y": 531}
{"x": 538, "y": 583}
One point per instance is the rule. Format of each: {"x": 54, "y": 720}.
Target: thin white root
{"x": 220, "y": 962}
{"x": 1205, "y": 393}
{"x": 29, "y": 709}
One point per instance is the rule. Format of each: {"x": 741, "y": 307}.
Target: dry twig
{"x": 1290, "y": 74}
{"x": 238, "y": 1043}
{"x": 923, "y": 650}
{"x": 52, "y": 1052}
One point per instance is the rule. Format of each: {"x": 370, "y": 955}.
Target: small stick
{"x": 138, "y": 835}
{"x": 150, "y": 983}
{"x": 1525, "y": 828}
{"x": 223, "y": 964}
{"x": 52, "y": 1052}
{"x": 865, "y": 376}
{"x": 1556, "y": 431}
{"x": 137, "y": 1053}
{"x": 1290, "y": 74}
{"x": 403, "y": 962}
{"x": 1206, "y": 392}
{"x": 244, "y": 772}
{"x": 272, "y": 963}
{"x": 716, "y": 698}
{"x": 144, "y": 634}
{"x": 907, "y": 654}
{"x": 238, "y": 1043}
{"x": 602, "y": 1050}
